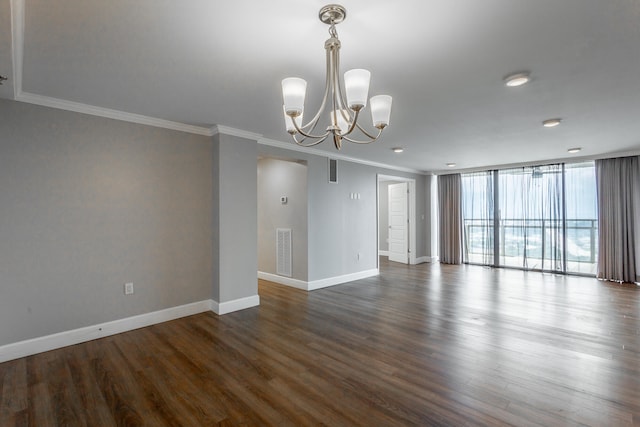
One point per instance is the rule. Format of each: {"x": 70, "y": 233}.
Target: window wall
{"x": 581, "y": 218}
{"x": 535, "y": 217}
{"x": 478, "y": 217}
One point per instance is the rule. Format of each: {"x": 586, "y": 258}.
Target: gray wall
{"x": 87, "y": 204}
{"x": 235, "y": 233}
{"x": 339, "y": 227}
{"x": 278, "y": 178}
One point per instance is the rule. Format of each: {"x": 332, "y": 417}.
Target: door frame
{"x": 412, "y": 214}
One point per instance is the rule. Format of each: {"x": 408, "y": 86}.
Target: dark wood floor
{"x": 420, "y": 345}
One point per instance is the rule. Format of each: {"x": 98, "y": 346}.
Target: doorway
{"x": 396, "y": 218}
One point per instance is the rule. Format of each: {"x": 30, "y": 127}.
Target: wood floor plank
{"x": 434, "y": 345}
{"x": 14, "y": 389}
{"x": 90, "y": 396}
{"x": 41, "y": 411}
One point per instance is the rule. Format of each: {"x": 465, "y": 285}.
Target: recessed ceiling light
{"x": 451, "y": 165}
{"x": 397, "y": 149}
{"x": 574, "y": 150}
{"x": 551, "y": 123}
{"x": 517, "y": 79}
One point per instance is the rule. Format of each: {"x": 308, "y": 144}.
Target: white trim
{"x": 318, "y": 284}
{"x": 76, "y": 336}
{"x": 568, "y": 160}
{"x": 227, "y": 307}
{"x": 17, "y": 45}
{"x": 111, "y": 114}
{"x": 429, "y": 259}
{"x": 310, "y": 150}
{"x": 287, "y": 281}
{"x": 413, "y": 226}
{"x": 383, "y": 253}
{"x": 337, "y": 280}
{"x": 216, "y": 129}
{"x": 413, "y": 223}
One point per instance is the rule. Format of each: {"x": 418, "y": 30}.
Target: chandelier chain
{"x": 332, "y": 30}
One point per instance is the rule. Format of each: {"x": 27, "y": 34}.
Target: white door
{"x": 398, "y": 223}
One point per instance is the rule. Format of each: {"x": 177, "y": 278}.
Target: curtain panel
{"x": 531, "y": 217}
{"x": 450, "y": 218}
{"x": 618, "y": 186}
{"x": 478, "y": 217}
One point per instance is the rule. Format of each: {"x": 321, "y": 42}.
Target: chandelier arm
{"x": 367, "y": 133}
{"x": 347, "y": 113}
{"x": 305, "y": 134}
{"x": 373, "y": 138}
{"x": 300, "y": 143}
{"x": 314, "y": 121}
{"x": 341, "y": 94}
{"x": 334, "y": 100}
{"x": 353, "y": 122}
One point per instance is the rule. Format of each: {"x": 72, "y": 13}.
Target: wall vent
{"x": 333, "y": 171}
{"x": 283, "y": 248}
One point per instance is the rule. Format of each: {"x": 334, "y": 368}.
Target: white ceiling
{"x": 205, "y": 63}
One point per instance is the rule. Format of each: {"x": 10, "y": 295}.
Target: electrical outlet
{"x": 128, "y": 288}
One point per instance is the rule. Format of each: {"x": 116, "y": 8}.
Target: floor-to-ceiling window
{"x": 531, "y": 217}
{"x": 582, "y": 218}
{"x": 534, "y": 217}
{"x": 478, "y": 215}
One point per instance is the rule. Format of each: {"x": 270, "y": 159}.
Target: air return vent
{"x": 283, "y": 248}
{"x": 333, "y": 170}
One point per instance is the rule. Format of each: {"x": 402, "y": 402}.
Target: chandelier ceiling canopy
{"x": 345, "y": 103}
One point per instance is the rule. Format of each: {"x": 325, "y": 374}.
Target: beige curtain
{"x": 618, "y": 184}
{"x": 450, "y": 218}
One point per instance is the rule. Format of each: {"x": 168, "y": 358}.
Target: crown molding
{"x": 110, "y": 114}
{"x": 220, "y": 129}
{"x": 309, "y": 150}
{"x": 17, "y": 51}
{"x": 567, "y": 160}
{"x": 17, "y": 27}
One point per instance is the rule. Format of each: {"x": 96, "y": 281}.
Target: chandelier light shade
{"x": 294, "y": 90}
{"x": 380, "y": 110}
{"x": 344, "y": 102}
{"x": 356, "y": 83}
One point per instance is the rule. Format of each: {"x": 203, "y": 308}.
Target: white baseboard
{"x": 80, "y": 335}
{"x": 76, "y": 336}
{"x": 430, "y": 259}
{"x": 418, "y": 260}
{"x": 422, "y": 259}
{"x": 287, "y": 281}
{"x": 332, "y": 281}
{"x": 317, "y": 284}
{"x": 235, "y": 305}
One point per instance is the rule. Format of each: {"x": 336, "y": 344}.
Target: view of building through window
{"x": 546, "y": 218}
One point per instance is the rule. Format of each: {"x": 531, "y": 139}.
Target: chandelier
{"x": 345, "y": 108}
